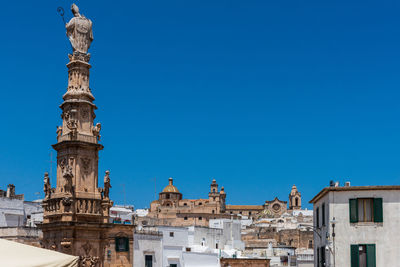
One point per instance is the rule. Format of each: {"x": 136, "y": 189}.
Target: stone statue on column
{"x": 79, "y": 31}
{"x": 46, "y": 186}
{"x": 107, "y": 185}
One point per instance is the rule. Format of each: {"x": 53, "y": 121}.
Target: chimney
{"x": 8, "y": 194}
{"x": 331, "y": 183}
{"x": 347, "y": 184}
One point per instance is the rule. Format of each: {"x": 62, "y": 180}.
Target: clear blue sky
{"x": 260, "y": 95}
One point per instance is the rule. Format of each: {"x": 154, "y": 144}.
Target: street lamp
{"x": 333, "y": 223}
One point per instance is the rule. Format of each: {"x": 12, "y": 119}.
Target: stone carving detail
{"x": 107, "y": 185}
{"x": 67, "y": 201}
{"x": 79, "y": 31}
{"x": 87, "y": 248}
{"x": 85, "y": 165}
{"x": 88, "y": 261}
{"x": 85, "y": 114}
{"x": 96, "y": 131}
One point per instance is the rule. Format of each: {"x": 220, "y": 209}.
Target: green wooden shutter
{"x": 127, "y": 244}
{"x": 378, "y": 210}
{"x": 116, "y": 244}
{"x": 354, "y": 256}
{"x": 353, "y": 210}
{"x": 371, "y": 256}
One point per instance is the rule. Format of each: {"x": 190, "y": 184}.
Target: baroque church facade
{"x": 172, "y": 209}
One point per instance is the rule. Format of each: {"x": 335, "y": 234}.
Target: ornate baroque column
{"x": 76, "y": 211}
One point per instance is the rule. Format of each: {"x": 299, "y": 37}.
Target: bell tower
{"x": 294, "y": 199}
{"x": 76, "y": 211}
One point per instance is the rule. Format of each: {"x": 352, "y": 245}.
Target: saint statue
{"x": 107, "y": 185}
{"x": 79, "y": 31}
{"x": 47, "y": 187}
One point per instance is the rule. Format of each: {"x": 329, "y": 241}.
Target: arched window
{"x": 200, "y": 203}
{"x": 213, "y": 211}
{"x": 168, "y": 205}
{"x": 167, "y": 196}
{"x": 213, "y": 190}
{"x": 184, "y": 204}
{"x": 296, "y": 201}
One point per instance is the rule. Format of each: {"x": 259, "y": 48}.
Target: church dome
{"x": 170, "y": 188}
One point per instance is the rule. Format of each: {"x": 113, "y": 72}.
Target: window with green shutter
{"x": 354, "y": 255}
{"x": 353, "y": 207}
{"x": 371, "y": 255}
{"x": 363, "y": 255}
{"x": 366, "y": 210}
{"x": 378, "y": 210}
{"x": 317, "y": 218}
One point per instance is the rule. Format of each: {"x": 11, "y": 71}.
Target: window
{"x": 231, "y": 212}
{"x": 188, "y": 249}
{"x": 173, "y": 265}
{"x": 213, "y": 211}
{"x": 167, "y": 196}
{"x": 366, "y": 210}
{"x": 213, "y": 198}
{"x": 240, "y": 212}
{"x": 148, "y": 261}
{"x": 200, "y": 218}
{"x": 296, "y": 201}
{"x": 200, "y": 203}
{"x": 171, "y": 234}
{"x": 184, "y": 204}
{"x": 310, "y": 245}
{"x": 213, "y": 190}
{"x": 216, "y": 245}
{"x": 317, "y": 218}
{"x": 185, "y": 218}
{"x": 363, "y": 255}
{"x": 249, "y": 213}
{"x": 323, "y": 214}
{"x": 121, "y": 244}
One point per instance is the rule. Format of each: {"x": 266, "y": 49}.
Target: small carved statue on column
{"x": 107, "y": 185}
{"x": 96, "y": 131}
{"x": 47, "y": 187}
{"x": 79, "y": 31}
{"x": 59, "y": 131}
{"x": 67, "y": 174}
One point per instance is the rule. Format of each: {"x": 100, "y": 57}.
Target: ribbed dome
{"x": 170, "y": 188}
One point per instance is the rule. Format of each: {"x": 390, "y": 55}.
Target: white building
{"x": 16, "y": 212}
{"x": 357, "y": 226}
{"x": 161, "y": 246}
{"x": 121, "y": 214}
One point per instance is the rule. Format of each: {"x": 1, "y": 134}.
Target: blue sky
{"x": 260, "y": 95}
